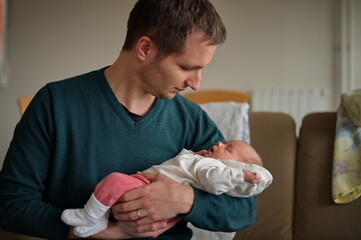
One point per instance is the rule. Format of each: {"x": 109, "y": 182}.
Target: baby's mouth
{"x": 211, "y": 150}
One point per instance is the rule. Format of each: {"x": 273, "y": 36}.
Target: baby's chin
{"x": 209, "y": 155}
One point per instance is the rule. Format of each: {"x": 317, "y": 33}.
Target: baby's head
{"x": 234, "y": 150}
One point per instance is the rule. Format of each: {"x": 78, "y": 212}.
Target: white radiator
{"x": 295, "y": 102}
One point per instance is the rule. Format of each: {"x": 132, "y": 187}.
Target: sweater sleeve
{"x": 221, "y": 212}
{"x": 24, "y": 207}
{"x": 236, "y": 213}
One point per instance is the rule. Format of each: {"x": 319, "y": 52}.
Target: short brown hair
{"x": 167, "y": 23}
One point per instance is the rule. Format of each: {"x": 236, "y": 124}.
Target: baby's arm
{"x": 250, "y": 177}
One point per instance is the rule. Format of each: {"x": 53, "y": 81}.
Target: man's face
{"x": 174, "y": 73}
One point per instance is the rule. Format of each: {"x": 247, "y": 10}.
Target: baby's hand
{"x": 252, "y": 177}
{"x": 201, "y": 152}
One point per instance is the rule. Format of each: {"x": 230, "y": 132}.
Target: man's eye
{"x": 184, "y": 68}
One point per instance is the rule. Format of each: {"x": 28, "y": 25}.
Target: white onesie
{"x": 215, "y": 176}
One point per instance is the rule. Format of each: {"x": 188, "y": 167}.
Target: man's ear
{"x": 145, "y": 48}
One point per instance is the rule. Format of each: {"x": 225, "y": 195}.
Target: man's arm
{"x": 23, "y": 179}
{"x": 236, "y": 213}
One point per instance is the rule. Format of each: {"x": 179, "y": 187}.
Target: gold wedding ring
{"x": 138, "y": 213}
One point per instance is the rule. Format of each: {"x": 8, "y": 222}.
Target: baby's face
{"x": 229, "y": 150}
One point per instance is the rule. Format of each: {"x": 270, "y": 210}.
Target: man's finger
{"x": 150, "y": 176}
{"x": 133, "y": 194}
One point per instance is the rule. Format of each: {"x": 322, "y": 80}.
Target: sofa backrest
{"x": 274, "y": 138}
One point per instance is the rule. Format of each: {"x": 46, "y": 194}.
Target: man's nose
{"x": 195, "y": 81}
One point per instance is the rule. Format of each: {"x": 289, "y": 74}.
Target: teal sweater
{"x": 75, "y": 132}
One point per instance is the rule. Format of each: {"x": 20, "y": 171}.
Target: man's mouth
{"x": 180, "y": 89}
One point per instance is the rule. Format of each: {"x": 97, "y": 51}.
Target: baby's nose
{"x": 219, "y": 144}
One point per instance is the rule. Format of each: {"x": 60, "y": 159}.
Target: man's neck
{"x": 123, "y": 80}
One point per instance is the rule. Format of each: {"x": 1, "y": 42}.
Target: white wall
{"x": 357, "y": 43}
{"x": 271, "y": 44}
{"x": 276, "y": 43}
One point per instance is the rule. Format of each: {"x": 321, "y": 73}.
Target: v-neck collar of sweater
{"x": 120, "y": 109}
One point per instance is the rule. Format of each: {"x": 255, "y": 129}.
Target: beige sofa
{"x": 298, "y": 204}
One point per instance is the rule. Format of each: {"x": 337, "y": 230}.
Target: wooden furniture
{"x": 24, "y": 102}
{"x": 207, "y": 96}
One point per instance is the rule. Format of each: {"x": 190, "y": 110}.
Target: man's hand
{"x": 162, "y": 199}
{"x": 119, "y": 230}
{"x": 148, "y": 211}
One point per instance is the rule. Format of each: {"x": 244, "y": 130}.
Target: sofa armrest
{"x": 316, "y": 215}
{"x": 273, "y": 136}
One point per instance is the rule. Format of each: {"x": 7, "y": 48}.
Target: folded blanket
{"x": 232, "y": 120}
{"x": 346, "y": 174}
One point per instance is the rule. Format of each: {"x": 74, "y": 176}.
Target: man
{"x": 123, "y": 118}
